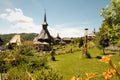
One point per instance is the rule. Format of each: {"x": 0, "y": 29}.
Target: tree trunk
{"x": 103, "y": 51}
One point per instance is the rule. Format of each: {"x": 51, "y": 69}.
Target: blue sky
{"x": 66, "y": 17}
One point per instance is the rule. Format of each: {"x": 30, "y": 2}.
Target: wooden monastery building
{"x": 44, "y": 40}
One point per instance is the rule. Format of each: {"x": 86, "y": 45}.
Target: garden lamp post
{"x": 85, "y": 46}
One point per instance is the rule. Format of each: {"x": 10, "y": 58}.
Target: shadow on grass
{"x": 100, "y": 57}
{"x": 110, "y": 53}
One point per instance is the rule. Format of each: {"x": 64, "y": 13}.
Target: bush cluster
{"x": 22, "y": 64}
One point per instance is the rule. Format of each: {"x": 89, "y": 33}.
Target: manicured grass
{"x": 73, "y": 64}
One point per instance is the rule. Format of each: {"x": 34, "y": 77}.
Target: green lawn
{"x": 73, "y": 64}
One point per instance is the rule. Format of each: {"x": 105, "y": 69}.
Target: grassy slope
{"x": 70, "y": 65}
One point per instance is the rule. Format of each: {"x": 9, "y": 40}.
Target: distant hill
{"x": 24, "y": 36}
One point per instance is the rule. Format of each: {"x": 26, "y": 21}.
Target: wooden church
{"x": 44, "y": 40}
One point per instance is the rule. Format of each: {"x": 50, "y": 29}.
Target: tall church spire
{"x": 45, "y": 17}
{"x": 45, "y": 20}
{"x": 94, "y": 31}
{"x": 44, "y": 38}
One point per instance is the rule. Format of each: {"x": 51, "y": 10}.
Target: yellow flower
{"x": 90, "y": 75}
{"x": 109, "y": 55}
{"x": 81, "y": 78}
{"x": 113, "y": 71}
{"x": 107, "y": 75}
{"x": 106, "y": 59}
{"x": 74, "y": 78}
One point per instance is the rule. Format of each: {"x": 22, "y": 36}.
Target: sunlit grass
{"x": 70, "y": 65}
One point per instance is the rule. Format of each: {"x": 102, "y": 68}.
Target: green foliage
{"x": 118, "y": 1}
{"x": 76, "y": 40}
{"x": 17, "y": 73}
{"x": 9, "y": 46}
{"x": 19, "y": 59}
{"x": 22, "y": 63}
{"x": 4, "y": 67}
{"x": 37, "y": 67}
{"x": 6, "y": 37}
{"x": 81, "y": 42}
{"x": 104, "y": 41}
{"x": 110, "y": 27}
{"x": 25, "y": 49}
{"x": 28, "y": 36}
{"x": 67, "y": 49}
{"x": 111, "y": 13}
{"x": 38, "y": 64}
{"x": 20, "y": 72}
{"x": 114, "y": 34}
{"x": 1, "y": 41}
{"x": 49, "y": 74}
{"x": 7, "y": 62}
{"x": 118, "y": 43}
{"x": 24, "y": 36}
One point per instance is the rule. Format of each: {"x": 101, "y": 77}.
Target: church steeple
{"x": 94, "y": 31}
{"x": 45, "y": 17}
{"x": 44, "y": 38}
{"x": 45, "y": 20}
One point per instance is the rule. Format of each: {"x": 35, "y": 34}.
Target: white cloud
{"x": 16, "y": 15}
{"x": 21, "y": 23}
{"x": 65, "y": 31}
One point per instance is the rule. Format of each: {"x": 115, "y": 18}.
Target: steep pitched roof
{"x": 16, "y": 39}
{"x": 44, "y": 35}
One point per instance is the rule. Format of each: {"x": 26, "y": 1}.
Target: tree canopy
{"x": 110, "y": 27}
